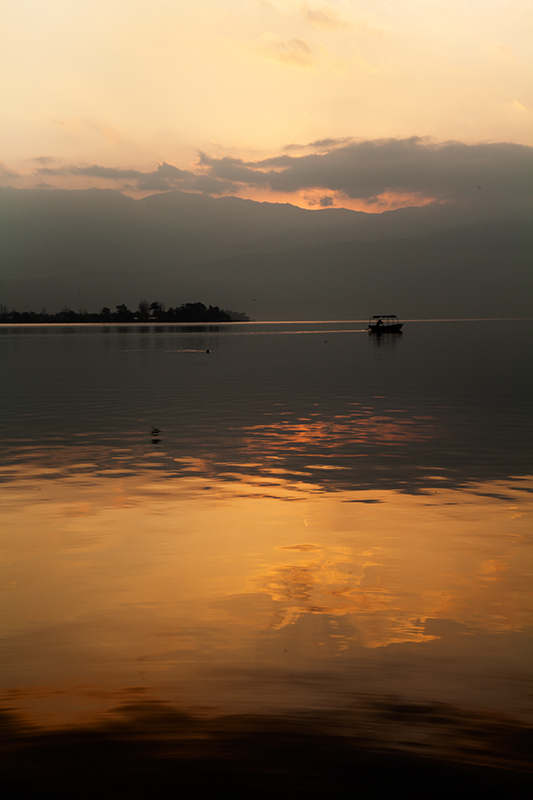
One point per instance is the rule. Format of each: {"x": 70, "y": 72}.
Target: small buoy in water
{"x": 208, "y": 351}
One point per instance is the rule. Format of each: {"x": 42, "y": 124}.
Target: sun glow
{"x": 319, "y": 199}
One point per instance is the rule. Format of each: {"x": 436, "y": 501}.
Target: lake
{"x": 222, "y": 539}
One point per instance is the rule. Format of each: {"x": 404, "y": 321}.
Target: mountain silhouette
{"x": 86, "y": 249}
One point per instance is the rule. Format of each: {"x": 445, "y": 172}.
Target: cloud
{"x": 520, "y": 106}
{"x": 504, "y": 51}
{"x": 370, "y": 169}
{"x": 44, "y": 159}
{"x": 320, "y": 144}
{"x": 240, "y": 171}
{"x": 331, "y": 16}
{"x": 323, "y": 16}
{"x": 5, "y": 172}
{"x": 373, "y": 174}
{"x": 165, "y": 178}
{"x": 72, "y": 125}
{"x": 294, "y": 52}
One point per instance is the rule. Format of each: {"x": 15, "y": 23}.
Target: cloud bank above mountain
{"x": 366, "y": 170}
{"x": 373, "y": 175}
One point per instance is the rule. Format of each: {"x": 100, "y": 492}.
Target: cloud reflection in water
{"x": 325, "y": 533}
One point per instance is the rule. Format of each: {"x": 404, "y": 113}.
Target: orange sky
{"x": 126, "y": 84}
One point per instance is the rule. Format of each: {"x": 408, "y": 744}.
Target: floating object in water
{"x": 155, "y": 431}
{"x": 385, "y": 323}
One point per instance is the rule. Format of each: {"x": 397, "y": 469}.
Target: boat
{"x": 384, "y": 323}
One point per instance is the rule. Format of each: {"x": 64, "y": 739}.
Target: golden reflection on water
{"x": 360, "y": 426}
{"x": 155, "y": 581}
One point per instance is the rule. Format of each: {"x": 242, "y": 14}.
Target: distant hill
{"x": 56, "y": 232}
{"x": 86, "y": 249}
{"x": 480, "y": 270}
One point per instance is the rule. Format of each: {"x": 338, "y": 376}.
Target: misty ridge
{"x": 85, "y": 249}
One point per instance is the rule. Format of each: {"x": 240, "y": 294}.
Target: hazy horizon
{"x": 197, "y": 144}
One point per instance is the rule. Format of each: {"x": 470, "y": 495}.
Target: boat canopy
{"x": 386, "y": 319}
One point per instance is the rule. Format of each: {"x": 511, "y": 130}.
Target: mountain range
{"x": 94, "y": 248}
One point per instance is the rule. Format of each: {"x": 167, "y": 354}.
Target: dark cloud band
{"x": 450, "y": 171}
{"x": 365, "y": 170}
{"x": 165, "y": 178}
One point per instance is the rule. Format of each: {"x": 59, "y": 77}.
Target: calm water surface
{"x": 306, "y": 522}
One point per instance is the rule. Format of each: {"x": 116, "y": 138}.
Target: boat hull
{"x": 386, "y": 328}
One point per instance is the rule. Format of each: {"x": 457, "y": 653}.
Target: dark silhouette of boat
{"x": 385, "y": 323}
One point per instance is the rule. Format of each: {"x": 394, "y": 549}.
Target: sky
{"x": 278, "y": 100}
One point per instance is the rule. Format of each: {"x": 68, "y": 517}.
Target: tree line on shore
{"x": 145, "y": 312}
